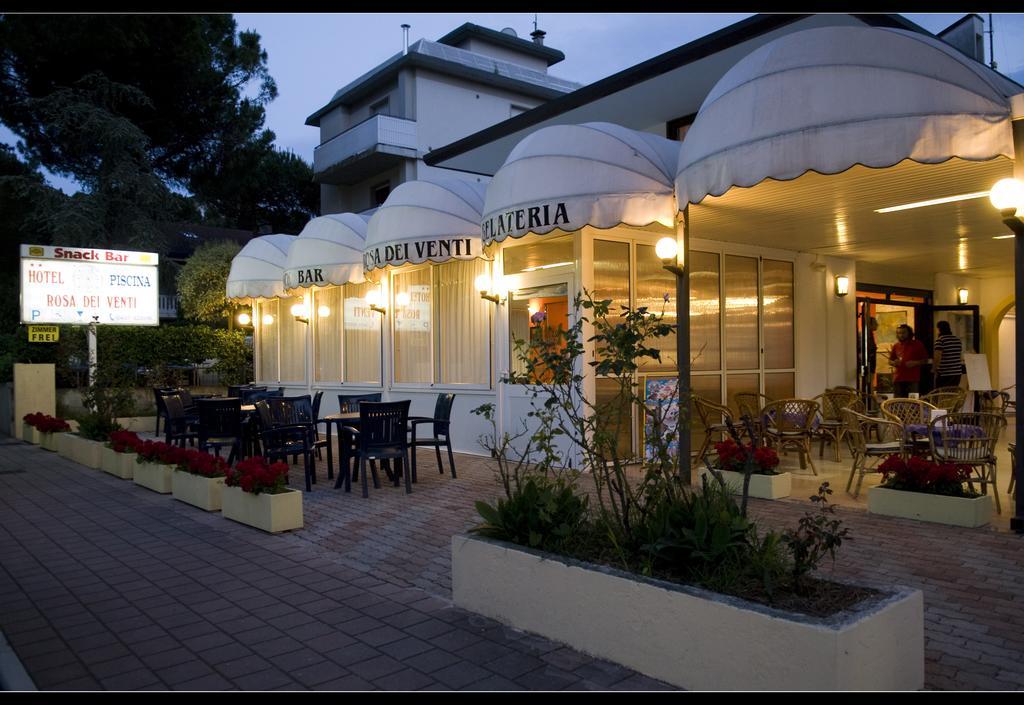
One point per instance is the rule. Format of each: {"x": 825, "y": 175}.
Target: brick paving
{"x": 106, "y": 585}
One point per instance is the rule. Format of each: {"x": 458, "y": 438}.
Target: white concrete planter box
{"x": 270, "y": 512}
{"x": 154, "y": 476}
{"x": 687, "y": 636}
{"x": 199, "y": 491}
{"x": 48, "y": 441}
{"x": 81, "y": 450}
{"x": 30, "y": 434}
{"x": 120, "y": 465}
{"x": 761, "y": 486}
{"x": 956, "y": 511}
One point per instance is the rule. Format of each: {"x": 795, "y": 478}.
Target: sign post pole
{"x": 92, "y": 351}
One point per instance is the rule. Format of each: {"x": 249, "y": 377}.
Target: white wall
{"x": 355, "y": 198}
{"x": 826, "y": 325}
{"x": 482, "y": 46}
{"x": 1007, "y": 373}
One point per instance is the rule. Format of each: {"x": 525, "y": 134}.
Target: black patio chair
{"x": 382, "y": 435}
{"x": 281, "y": 440}
{"x": 349, "y": 403}
{"x": 441, "y": 421}
{"x": 180, "y": 427}
{"x": 319, "y": 442}
{"x": 220, "y": 425}
{"x": 161, "y": 410}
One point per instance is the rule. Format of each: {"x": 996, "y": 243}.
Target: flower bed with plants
{"x": 916, "y": 488}
{"x": 39, "y": 428}
{"x": 155, "y": 464}
{"x": 199, "y": 480}
{"x": 672, "y": 580}
{"x": 763, "y": 481}
{"x": 118, "y": 456}
{"x": 255, "y": 493}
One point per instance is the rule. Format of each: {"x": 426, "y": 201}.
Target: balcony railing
{"x": 379, "y": 134}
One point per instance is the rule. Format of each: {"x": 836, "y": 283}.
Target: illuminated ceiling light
{"x": 961, "y": 255}
{"x": 1002, "y": 237}
{"x": 933, "y": 202}
{"x": 547, "y": 266}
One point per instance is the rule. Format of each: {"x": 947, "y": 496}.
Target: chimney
{"x": 405, "y": 39}
{"x": 538, "y": 36}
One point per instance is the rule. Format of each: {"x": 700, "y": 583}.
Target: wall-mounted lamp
{"x": 961, "y": 296}
{"x": 402, "y": 298}
{"x": 667, "y": 250}
{"x": 244, "y": 319}
{"x": 842, "y": 285}
{"x": 323, "y": 311}
{"x": 374, "y": 299}
{"x": 301, "y": 312}
{"x": 267, "y": 319}
{"x": 489, "y": 289}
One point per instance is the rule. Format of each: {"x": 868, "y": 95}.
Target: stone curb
{"x": 12, "y": 673}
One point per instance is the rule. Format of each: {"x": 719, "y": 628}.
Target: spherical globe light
{"x": 402, "y": 298}
{"x": 667, "y": 248}
{"x": 373, "y": 297}
{"x": 267, "y": 319}
{"x": 483, "y": 282}
{"x": 323, "y": 311}
{"x": 1007, "y": 194}
{"x": 244, "y": 319}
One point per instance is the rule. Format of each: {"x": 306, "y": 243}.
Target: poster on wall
{"x": 79, "y": 285}
{"x": 359, "y": 315}
{"x": 414, "y": 315}
{"x": 663, "y": 407}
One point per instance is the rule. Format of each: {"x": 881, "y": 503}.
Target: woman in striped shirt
{"x": 948, "y": 356}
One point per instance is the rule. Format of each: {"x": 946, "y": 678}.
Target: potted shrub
{"x": 255, "y": 494}
{"x": 44, "y": 429}
{"x": 731, "y": 462}
{"x": 109, "y": 396}
{"x": 117, "y": 456}
{"x": 916, "y": 488}
{"x": 155, "y": 463}
{"x": 199, "y": 481}
{"x": 671, "y": 580}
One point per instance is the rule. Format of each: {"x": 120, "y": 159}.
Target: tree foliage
{"x": 202, "y": 282}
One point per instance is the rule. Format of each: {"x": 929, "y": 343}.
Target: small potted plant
{"x": 199, "y": 480}
{"x": 765, "y": 480}
{"x": 155, "y": 464}
{"x": 118, "y": 455}
{"x": 43, "y": 427}
{"x": 916, "y": 488}
{"x": 255, "y": 494}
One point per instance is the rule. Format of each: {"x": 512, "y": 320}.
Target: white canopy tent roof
{"x": 256, "y": 271}
{"x": 328, "y": 252}
{"x": 569, "y": 176}
{"x": 827, "y": 99}
{"x": 436, "y": 220}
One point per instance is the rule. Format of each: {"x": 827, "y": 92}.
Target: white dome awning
{"x": 569, "y": 176}
{"x": 256, "y": 271}
{"x": 436, "y": 220}
{"x": 328, "y": 252}
{"x": 826, "y": 99}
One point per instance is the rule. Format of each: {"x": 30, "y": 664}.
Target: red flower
{"x": 257, "y": 475}
{"x": 920, "y": 475}
{"x": 45, "y": 423}
{"x": 733, "y": 457}
{"x": 124, "y": 441}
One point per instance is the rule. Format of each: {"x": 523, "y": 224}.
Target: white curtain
{"x": 413, "y": 326}
{"x": 463, "y": 323}
{"x": 327, "y": 318}
{"x": 293, "y": 342}
{"x": 266, "y": 336}
{"x": 362, "y": 335}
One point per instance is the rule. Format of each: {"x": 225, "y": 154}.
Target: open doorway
{"x": 890, "y": 307}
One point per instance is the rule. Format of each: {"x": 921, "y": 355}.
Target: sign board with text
{"x": 75, "y": 285}
{"x": 43, "y": 334}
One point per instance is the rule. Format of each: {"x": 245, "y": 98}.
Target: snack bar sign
{"x": 75, "y": 285}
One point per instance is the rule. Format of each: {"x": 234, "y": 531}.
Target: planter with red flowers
{"x": 155, "y": 465}
{"x": 118, "y": 456}
{"x": 42, "y": 429}
{"x": 916, "y": 488}
{"x": 199, "y": 481}
{"x": 255, "y": 494}
{"x": 765, "y": 482}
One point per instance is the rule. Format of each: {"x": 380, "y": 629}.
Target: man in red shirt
{"x": 906, "y": 357}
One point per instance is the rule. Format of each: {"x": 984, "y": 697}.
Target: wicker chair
{"x": 995, "y": 402}
{"x": 789, "y": 423}
{"x": 831, "y": 426}
{"x": 859, "y": 430}
{"x": 970, "y": 438}
{"x": 750, "y": 404}
{"x": 948, "y": 400}
{"x": 1012, "y": 447}
{"x": 712, "y": 417}
{"x": 908, "y": 411}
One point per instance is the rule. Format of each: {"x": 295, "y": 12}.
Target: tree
{"x": 202, "y": 282}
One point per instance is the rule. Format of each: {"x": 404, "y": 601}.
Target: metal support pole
{"x": 682, "y": 273}
{"x": 1014, "y": 223}
{"x": 91, "y": 335}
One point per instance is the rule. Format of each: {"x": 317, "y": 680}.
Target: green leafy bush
{"x": 542, "y": 512}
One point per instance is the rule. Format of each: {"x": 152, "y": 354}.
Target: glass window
{"x": 411, "y": 302}
{"x": 266, "y": 333}
{"x": 293, "y": 342}
{"x": 653, "y": 282}
{"x": 615, "y": 415}
{"x": 741, "y": 346}
{"x": 327, "y": 334}
{"x": 536, "y": 313}
{"x": 463, "y": 323}
{"x": 705, "y": 311}
{"x": 362, "y": 335}
{"x": 778, "y": 313}
{"x": 611, "y": 278}
{"x": 539, "y": 253}
{"x": 779, "y": 385}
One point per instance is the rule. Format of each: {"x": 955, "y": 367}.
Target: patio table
{"x": 349, "y": 418}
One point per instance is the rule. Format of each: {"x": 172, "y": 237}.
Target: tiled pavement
{"x": 104, "y": 584}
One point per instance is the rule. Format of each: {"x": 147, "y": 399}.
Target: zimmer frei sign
{"x": 75, "y": 285}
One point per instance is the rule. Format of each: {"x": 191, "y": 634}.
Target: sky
{"x": 311, "y": 55}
